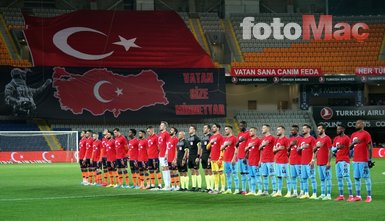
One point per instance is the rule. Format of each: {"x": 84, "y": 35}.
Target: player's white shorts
{"x": 163, "y": 162}
{"x": 281, "y": 169}
{"x": 342, "y": 169}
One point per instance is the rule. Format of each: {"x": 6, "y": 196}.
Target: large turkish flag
{"x": 114, "y": 39}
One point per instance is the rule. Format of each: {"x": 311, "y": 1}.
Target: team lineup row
{"x": 224, "y": 157}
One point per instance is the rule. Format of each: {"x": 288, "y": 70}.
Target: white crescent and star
{"x": 60, "y": 40}
{"x": 45, "y": 158}
{"x": 13, "y": 157}
{"x": 118, "y": 91}
{"x": 380, "y": 152}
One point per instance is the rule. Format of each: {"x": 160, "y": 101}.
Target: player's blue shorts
{"x": 307, "y": 172}
{"x": 230, "y": 168}
{"x": 295, "y": 170}
{"x": 281, "y": 169}
{"x": 254, "y": 171}
{"x": 243, "y": 166}
{"x": 267, "y": 169}
{"x": 342, "y": 169}
{"x": 324, "y": 174}
{"x": 361, "y": 170}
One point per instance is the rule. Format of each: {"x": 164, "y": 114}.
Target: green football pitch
{"x": 53, "y": 192}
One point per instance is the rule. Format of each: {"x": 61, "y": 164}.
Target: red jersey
{"x": 343, "y": 153}
{"x": 171, "y": 148}
{"x": 281, "y": 156}
{"x": 110, "y": 150}
{"x": 163, "y": 139}
{"x": 120, "y": 146}
{"x": 152, "y": 147}
{"x": 242, "y": 145}
{"x": 323, "y": 151}
{"x": 254, "y": 153}
{"x": 267, "y": 152}
{"x": 89, "y": 142}
{"x": 361, "y": 149}
{"x": 230, "y": 149}
{"x": 307, "y": 153}
{"x": 82, "y": 148}
{"x": 133, "y": 148}
{"x": 103, "y": 149}
{"x": 216, "y": 146}
{"x": 96, "y": 147}
{"x": 142, "y": 150}
{"x": 295, "y": 157}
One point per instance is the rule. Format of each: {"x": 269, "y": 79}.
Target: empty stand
{"x": 275, "y": 119}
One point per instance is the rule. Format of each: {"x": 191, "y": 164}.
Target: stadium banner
{"x": 373, "y": 116}
{"x": 58, "y": 156}
{"x": 298, "y": 79}
{"x": 110, "y": 94}
{"x": 122, "y": 39}
{"x": 378, "y": 152}
{"x": 370, "y": 71}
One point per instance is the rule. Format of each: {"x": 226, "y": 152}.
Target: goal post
{"x": 38, "y": 146}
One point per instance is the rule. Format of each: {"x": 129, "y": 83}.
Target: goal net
{"x": 38, "y": 146}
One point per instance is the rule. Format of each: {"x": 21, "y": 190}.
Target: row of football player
{"x": 255, "y": 158}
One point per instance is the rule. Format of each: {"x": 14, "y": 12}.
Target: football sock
{"x": 126, "y": 177}
{"x": 159, "y": 176}
{"x": 252, "y": 184}
{"x": 199, "y": 181}
{"x": 216, "y": 181}
{"x": 135, "y": 179}
{"x": 323, "y": 184}
{"x": 105, "y": 174}
{"x": 259, "y": 182}
{"x": 358, "y": 186}
{"x": 274, "y": 183}
{"x": 329, "y": 186}
{"x": 243, "y": 180}
{"x": 350, "y": 185}
{"x": 164, "y": 174}
{"x": 111, "y": 177}
{"x": 305, "y": 185}
{"x": 212, "y": 181}
{"x": 120, "y": 175}
{"x": 228, "y": 180}
{"x": 177, "y": 180}
{"x": 314, "y": 184}
{"x": 168, "y": 175}
{"x": 223, "y": 181}
{"x": 280, "y": 183}
{"x": 265, "y": 183}
{"x": 152, "y": 178}
{"x": 208, "y": 184}
{"x": 288, "y": 184}
{"x": 193, "y": 180}
{"x": 368, "y": 183}
{"x": 182, "y": 182}
{"x": 187, "y": 180}
{"x": 340, "y": 186}
{"x": 236, "y": 178}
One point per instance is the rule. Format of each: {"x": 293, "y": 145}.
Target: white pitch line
{"x": 72, "y": 197}
{"x": 113, "y": 195}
